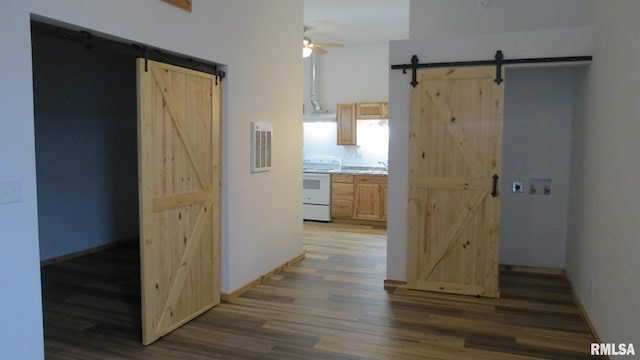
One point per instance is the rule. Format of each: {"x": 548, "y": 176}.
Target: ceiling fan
{"x": 309, "y": 47}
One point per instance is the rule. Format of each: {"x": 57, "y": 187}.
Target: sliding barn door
{"x": 455, "y": 149}
{"x": 179, "y": 177}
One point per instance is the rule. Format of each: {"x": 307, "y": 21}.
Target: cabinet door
{"x": 367, "y": 202}
{"x": 346, "y": 117}
{"x": 370, "y": 110}
{"x": 383, "y": 201}
{"x": 385, "y": 110}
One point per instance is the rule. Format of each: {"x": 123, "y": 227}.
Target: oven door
{"x": 316, "y": 188}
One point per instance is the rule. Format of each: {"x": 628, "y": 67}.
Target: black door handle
{"x": 494, "y": 190}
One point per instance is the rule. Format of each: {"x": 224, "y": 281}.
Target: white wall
{"x": 349, "y": 74}
{"x": 538, "y": 110}
{"x": 460, "y": 17}
{"x": 603, "y": 251}
{"x": 541, "y": 43}
{"x": 21, "y": 325}
{"x": 263, "y": 84}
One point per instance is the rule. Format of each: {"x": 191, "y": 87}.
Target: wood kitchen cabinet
{"x": 349, "y": 114}
{"x": 342, "y": 196}
{"x": 346, "y": 117}
{"x": 383, "y": 201}
{"x": 370, "y": 197}
{"x": 369, "y": 110}
{"x": 372, "y": 110}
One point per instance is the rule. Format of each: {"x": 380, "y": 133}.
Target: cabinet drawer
{"x": 369, "y": 179}
{"x": 347, "y": 179}
{"x": 341, "y": 191}
{"x": 342, "y": 208}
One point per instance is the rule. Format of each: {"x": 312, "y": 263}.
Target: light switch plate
{"x": 10, "y": 191}
{"x": 517, "y": 187}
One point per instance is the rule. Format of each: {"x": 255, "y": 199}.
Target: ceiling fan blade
{"x": 329, "y": 45}
{"x": 319, "y": 51}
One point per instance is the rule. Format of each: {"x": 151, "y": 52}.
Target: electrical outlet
{"x": 359, "y": 153}
{"x": 10, "y": 191}
{"x": 517, "y": 187}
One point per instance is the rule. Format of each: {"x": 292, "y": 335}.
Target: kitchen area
{"x": 345, "y": 163}
{"x": 346, "y": 133}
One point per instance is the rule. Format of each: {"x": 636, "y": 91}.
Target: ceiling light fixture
{"x": 308, "y": 47}
{"x": 306, "y": 50}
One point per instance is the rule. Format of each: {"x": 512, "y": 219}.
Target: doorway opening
{"x": 87, "y": 178}
{"x": 91, "y": 95}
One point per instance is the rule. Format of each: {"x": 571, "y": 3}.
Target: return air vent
{"x": 261, "y": 136}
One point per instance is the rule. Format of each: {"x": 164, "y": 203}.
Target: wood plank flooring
{"x": 332, "y": 305}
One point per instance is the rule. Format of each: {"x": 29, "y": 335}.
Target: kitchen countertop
{"x": 354, "y": 170}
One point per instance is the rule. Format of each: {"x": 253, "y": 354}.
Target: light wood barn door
{"x": 179, "y": 178}
{"x": 455, "y": 149}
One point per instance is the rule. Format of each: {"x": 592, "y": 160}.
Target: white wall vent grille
{"x": 261, "y": 137}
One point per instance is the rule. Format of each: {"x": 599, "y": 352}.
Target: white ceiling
{"x": 356, "y": 22}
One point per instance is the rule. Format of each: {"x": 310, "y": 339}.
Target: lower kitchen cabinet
{"x": 342, "y": 196}
{"x": 383, "y": 201}
{"x": 359, "y": 197}
{"x": 370, "y": 197}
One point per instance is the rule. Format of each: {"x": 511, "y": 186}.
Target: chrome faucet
{"x": 383, "y": 163}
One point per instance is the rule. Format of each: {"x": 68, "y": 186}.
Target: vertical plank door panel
{"x": 455, "y": 147}
{"x": 179, "y": 177}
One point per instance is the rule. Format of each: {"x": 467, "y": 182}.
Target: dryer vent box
{"x": 540, "y": 186}
{"x": 261, "y": 138}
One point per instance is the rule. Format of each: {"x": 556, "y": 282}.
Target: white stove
{"x": 316, "y": 184}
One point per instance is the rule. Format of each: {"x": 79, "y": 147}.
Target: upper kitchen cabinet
{"x": 348, "y": 114}
{"x": 372, "y": 110}
{"x": 369, "y": 110}
{"x": 346, "y": 117}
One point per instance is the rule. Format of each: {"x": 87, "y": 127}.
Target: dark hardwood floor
{"x": 332, "y": 305}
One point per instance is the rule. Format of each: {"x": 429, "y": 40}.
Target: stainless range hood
{"x": 318, "y": 114}
{"x": 319, "y": 118}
